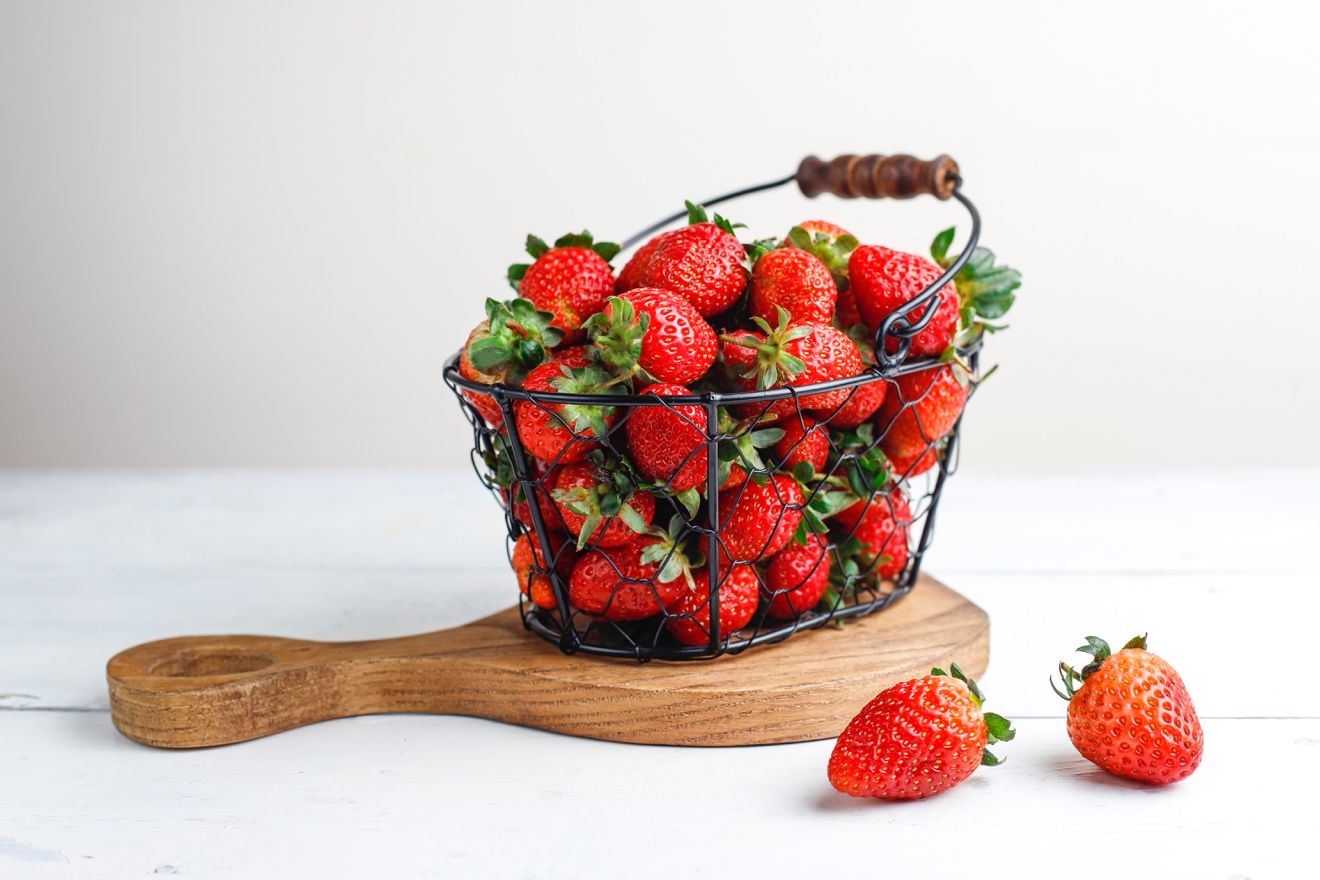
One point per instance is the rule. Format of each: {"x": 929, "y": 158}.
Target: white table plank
{"x": 1213, "y": 521}
{"x": 427, "y": 797}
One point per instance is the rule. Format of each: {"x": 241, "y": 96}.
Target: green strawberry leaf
{"x": 989, "y": 760}
{"x": 632, "y": 519}
{"x": 939, "y": 248}
{"x": 536, "y": 246}
{"x": 998, "y": 728}
{"x": 690, "y": 499}
{"x": 696, "y": 213}
{"x": 606, "y": 250}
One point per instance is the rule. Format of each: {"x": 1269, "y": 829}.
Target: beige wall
{"x": 250, "y": 233}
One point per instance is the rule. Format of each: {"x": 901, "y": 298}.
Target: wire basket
{"x": 731, "y": 473}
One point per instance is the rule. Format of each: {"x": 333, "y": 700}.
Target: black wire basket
{"x": 722, "y": 472}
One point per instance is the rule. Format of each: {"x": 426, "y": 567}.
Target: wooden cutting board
{"x": 212, "y": 690}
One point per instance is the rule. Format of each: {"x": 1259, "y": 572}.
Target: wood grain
{"x": 212, "y": 690}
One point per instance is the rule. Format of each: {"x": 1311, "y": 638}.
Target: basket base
{"x": 213, "y": 690}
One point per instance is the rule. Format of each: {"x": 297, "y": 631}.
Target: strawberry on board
{"x": 1129, "y": 713}
{"x": 656, "y": 333}
{"x": 917, "y": 738}
{"x": 689, "y": 617}
{"x": 571, "y": 279}
{"x": 702, "y": 262}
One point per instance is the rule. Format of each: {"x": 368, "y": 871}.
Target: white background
{"x": 250, "y": 233}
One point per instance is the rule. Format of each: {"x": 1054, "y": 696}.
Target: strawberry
{"x": 795, "y": 281}
{"x": 571, "y": 279}
{"x": 1132, "y": 714}
{"x": 634, "y": 581}
{"x": 558, "y": 433}
{"x": 798, "y": 576}
{"x": 793, "y": 355}
{"x": 917, "y": 738}
{"x": 656, "y": 333}
{"x": 702, "y": 262}
{"x": 758, "y": 519}
{"x": 827, "y": 242}
{"x": 805, "y": 440}
{"x": 668, "y": 443}
{"x": 600, "y": 504}
{"x": 877, "y": 530}
{"x": 905, "y": 467}
{"x": 532, "y": 573}
{"x": 860, "y": 406}
{"x": 514, "y": 338}
{"x": 740, "y": 593}
{"x": 920, "y": 409}
{"x": 882, "y": 280}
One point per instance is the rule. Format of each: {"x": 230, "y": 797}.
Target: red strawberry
{"x": 793, "y": 355}
{"x": 795, "y": 281}
{"x": 532, "y": 573}
{"x": 863, "y": 403}
{"x": 921, "y": 408}
{"x": 882, "y": 280}
{"x": 601, "y": 506}
{"x": 916, "y": 739}
{"x": 881, "y": 527}
{"x": 559, "y": 433}
{"x": 846, "y": 313}
{"x": 668, "y": 443}
{"x": 739, "y": 595}
{"x": 631, "y": 582}
{"x": 571, "y": 279}
{"x": 832, "y": 245}
{"x": 656, "y": 332}
{"x": 798, "y": 576}
{"x": 514, "y": 338}
{"x": 484, "y": 404}
{"x": 805, "y": 439}
{"x": 1132, "y": 714}
{"x": 759, "y": 519}
{"x": 549, "y": 511}
{"x": 906, "y": 467}
{"x": 703, "y": 263}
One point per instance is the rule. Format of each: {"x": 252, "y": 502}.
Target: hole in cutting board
{"x": 197, "y": 663}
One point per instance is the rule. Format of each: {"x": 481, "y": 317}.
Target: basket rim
{"x": 871, "y": 374}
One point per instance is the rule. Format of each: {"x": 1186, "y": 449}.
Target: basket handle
{"x": 878, "y": 177}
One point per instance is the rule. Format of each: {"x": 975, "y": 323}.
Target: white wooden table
{"x": 1221, "y": 568}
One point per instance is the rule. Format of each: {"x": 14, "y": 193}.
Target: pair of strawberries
{"x": 1128, "y": 712}
{"x": 809, "y": 487}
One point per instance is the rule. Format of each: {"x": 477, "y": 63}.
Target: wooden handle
{"x": 878, "y": 177}
{"x": 211, "y": 690}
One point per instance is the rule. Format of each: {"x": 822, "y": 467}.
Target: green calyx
{"x": 669, "y": 553}
{"x": 537, "y": 248}
{"x": 997, "y": 728}
{"x": 1099, "y": 651}
{"x": 583, "y": 417}
{"x": 833, "y": 252}
{"x": 985, "y": 291}
{"x": 608, "y": 499}
{"x": 741, "y": 443}
{"x": 518, "y": 338}
{"x": 697, "y": 214}
{"x": 773, "y": 360}
{"x": 617, "y": 333}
